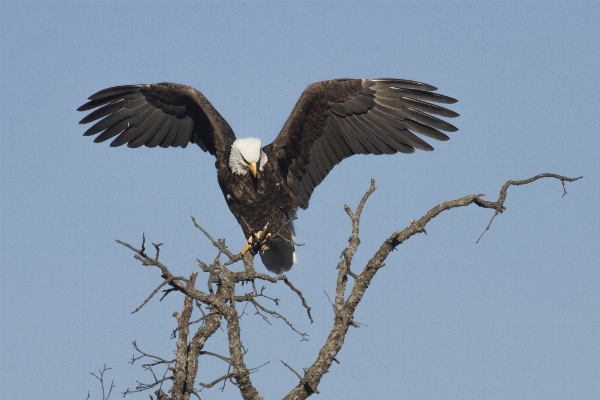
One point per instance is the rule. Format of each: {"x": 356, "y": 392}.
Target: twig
{"x": 151, "y": 295}
{"x": 209, "y": 353}
{"x": 100, "y": 378}
{"x": 213, "y": 383}
{"x": 499, "y": 204}
{"x": 157, "y": 247}
{"x": 159, "y": 360}
{"x": 299, "y": 293}
{"x": 221, "y": 246}
{"x": 277, "y": 315}
{"x": 291, "y": 369}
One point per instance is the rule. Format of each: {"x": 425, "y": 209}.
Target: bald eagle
{"x": 264, "y": 186}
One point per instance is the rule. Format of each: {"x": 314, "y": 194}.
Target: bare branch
{"x": 344, "y": 307}
{"x": 213, "y": 383}
{"x": 277, "y": 234}
{"x": 183, "y": 324}
{"x": 241, "y": 372}
{"x": 142, "y": 251}
{"x": 158, "y": 360}
{"x": 100, "y": 377}
{"x": 291, "y": 369}
{"x": 208, "y": 353}
{"x": 157, "y": 247}
{"x": 218, "y": 244}
{"x": 211, "y": 325}
{"x": 160, "y": 395}
{"x": 151, "y": 295}
{"x": 299, "y": 293}
{"x": 348, "y": 253}
{"x": 277, "y": 315}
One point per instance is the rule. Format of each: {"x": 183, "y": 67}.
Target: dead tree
{"x": 221, "y": 298}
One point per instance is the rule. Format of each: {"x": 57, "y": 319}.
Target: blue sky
{"x": 515, "y": 316}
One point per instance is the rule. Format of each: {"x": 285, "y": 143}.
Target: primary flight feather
{"x": 264, "y": 186}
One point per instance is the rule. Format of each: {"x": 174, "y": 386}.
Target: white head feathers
{"x": 244, "y": 152}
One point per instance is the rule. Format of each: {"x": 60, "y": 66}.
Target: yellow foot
{"x": 245, "y": 249}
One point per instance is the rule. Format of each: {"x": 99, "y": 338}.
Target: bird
{"x": 264, "y": 186}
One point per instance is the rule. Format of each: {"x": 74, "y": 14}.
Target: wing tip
{"x": 391, "y": 81}
{"x": 451, "y": 100}
{"x": 123, "y": 89}
{"x": 451, "y": 128}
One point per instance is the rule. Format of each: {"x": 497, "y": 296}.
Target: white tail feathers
{"x": 279, "y": 257}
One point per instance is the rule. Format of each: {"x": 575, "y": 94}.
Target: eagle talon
{"x": 257, "y": 242}
{"x": 245, "y": 249}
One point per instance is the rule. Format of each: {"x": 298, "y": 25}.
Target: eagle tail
{"x": 279, "y": 257}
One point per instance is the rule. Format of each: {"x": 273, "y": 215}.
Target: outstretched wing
{"x": 338, "y": 118}
{"x": 163, "y": 114}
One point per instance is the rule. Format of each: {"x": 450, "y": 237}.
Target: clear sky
{"x": 516, "y": 316}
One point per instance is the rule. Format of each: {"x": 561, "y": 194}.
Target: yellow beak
{"x": 253, "y": 169}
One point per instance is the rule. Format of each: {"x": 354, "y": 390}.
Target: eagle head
{"x": 247, "y": 155}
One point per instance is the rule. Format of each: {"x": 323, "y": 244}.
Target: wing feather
{"x": 336, "y": 143}
{"x": 317, "y": 169}
{"x": 394, "y": 93}
{"x": 139, "y": 116}
{"x": 112, "y": 131}
{"x": 384, "y": 132}
{"x": 108, "y": 98}
{"x": 329, "y": 151}
{"x": 426, "y": 119}
{"x": 425, "y": 130}
{"x": 138, "y": 134}
{"x": 376, "y": 137}
{"x": 340, "y": 110}
{"x": 109, "y": 121}
{"x": 417, "y": 105}
{"x": 358, "y": 105}
{"x": 401, "y": 133}
{"x": 366, "y": 144}
{"x": 388, "y": 83}
{"x": 365, "y": 101}
{"x": 114, "y": 91}
{"x": 173, "y": 132}
{"x": 105, "y": 110}
{"x": 381, "y": 114}
{"x": 348, "y": 135}
{"x": 162, "y": 132}
{"x": 152, "y": 129}
{"x": 325, "y": 161}
{"x": 185, "y": 133}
